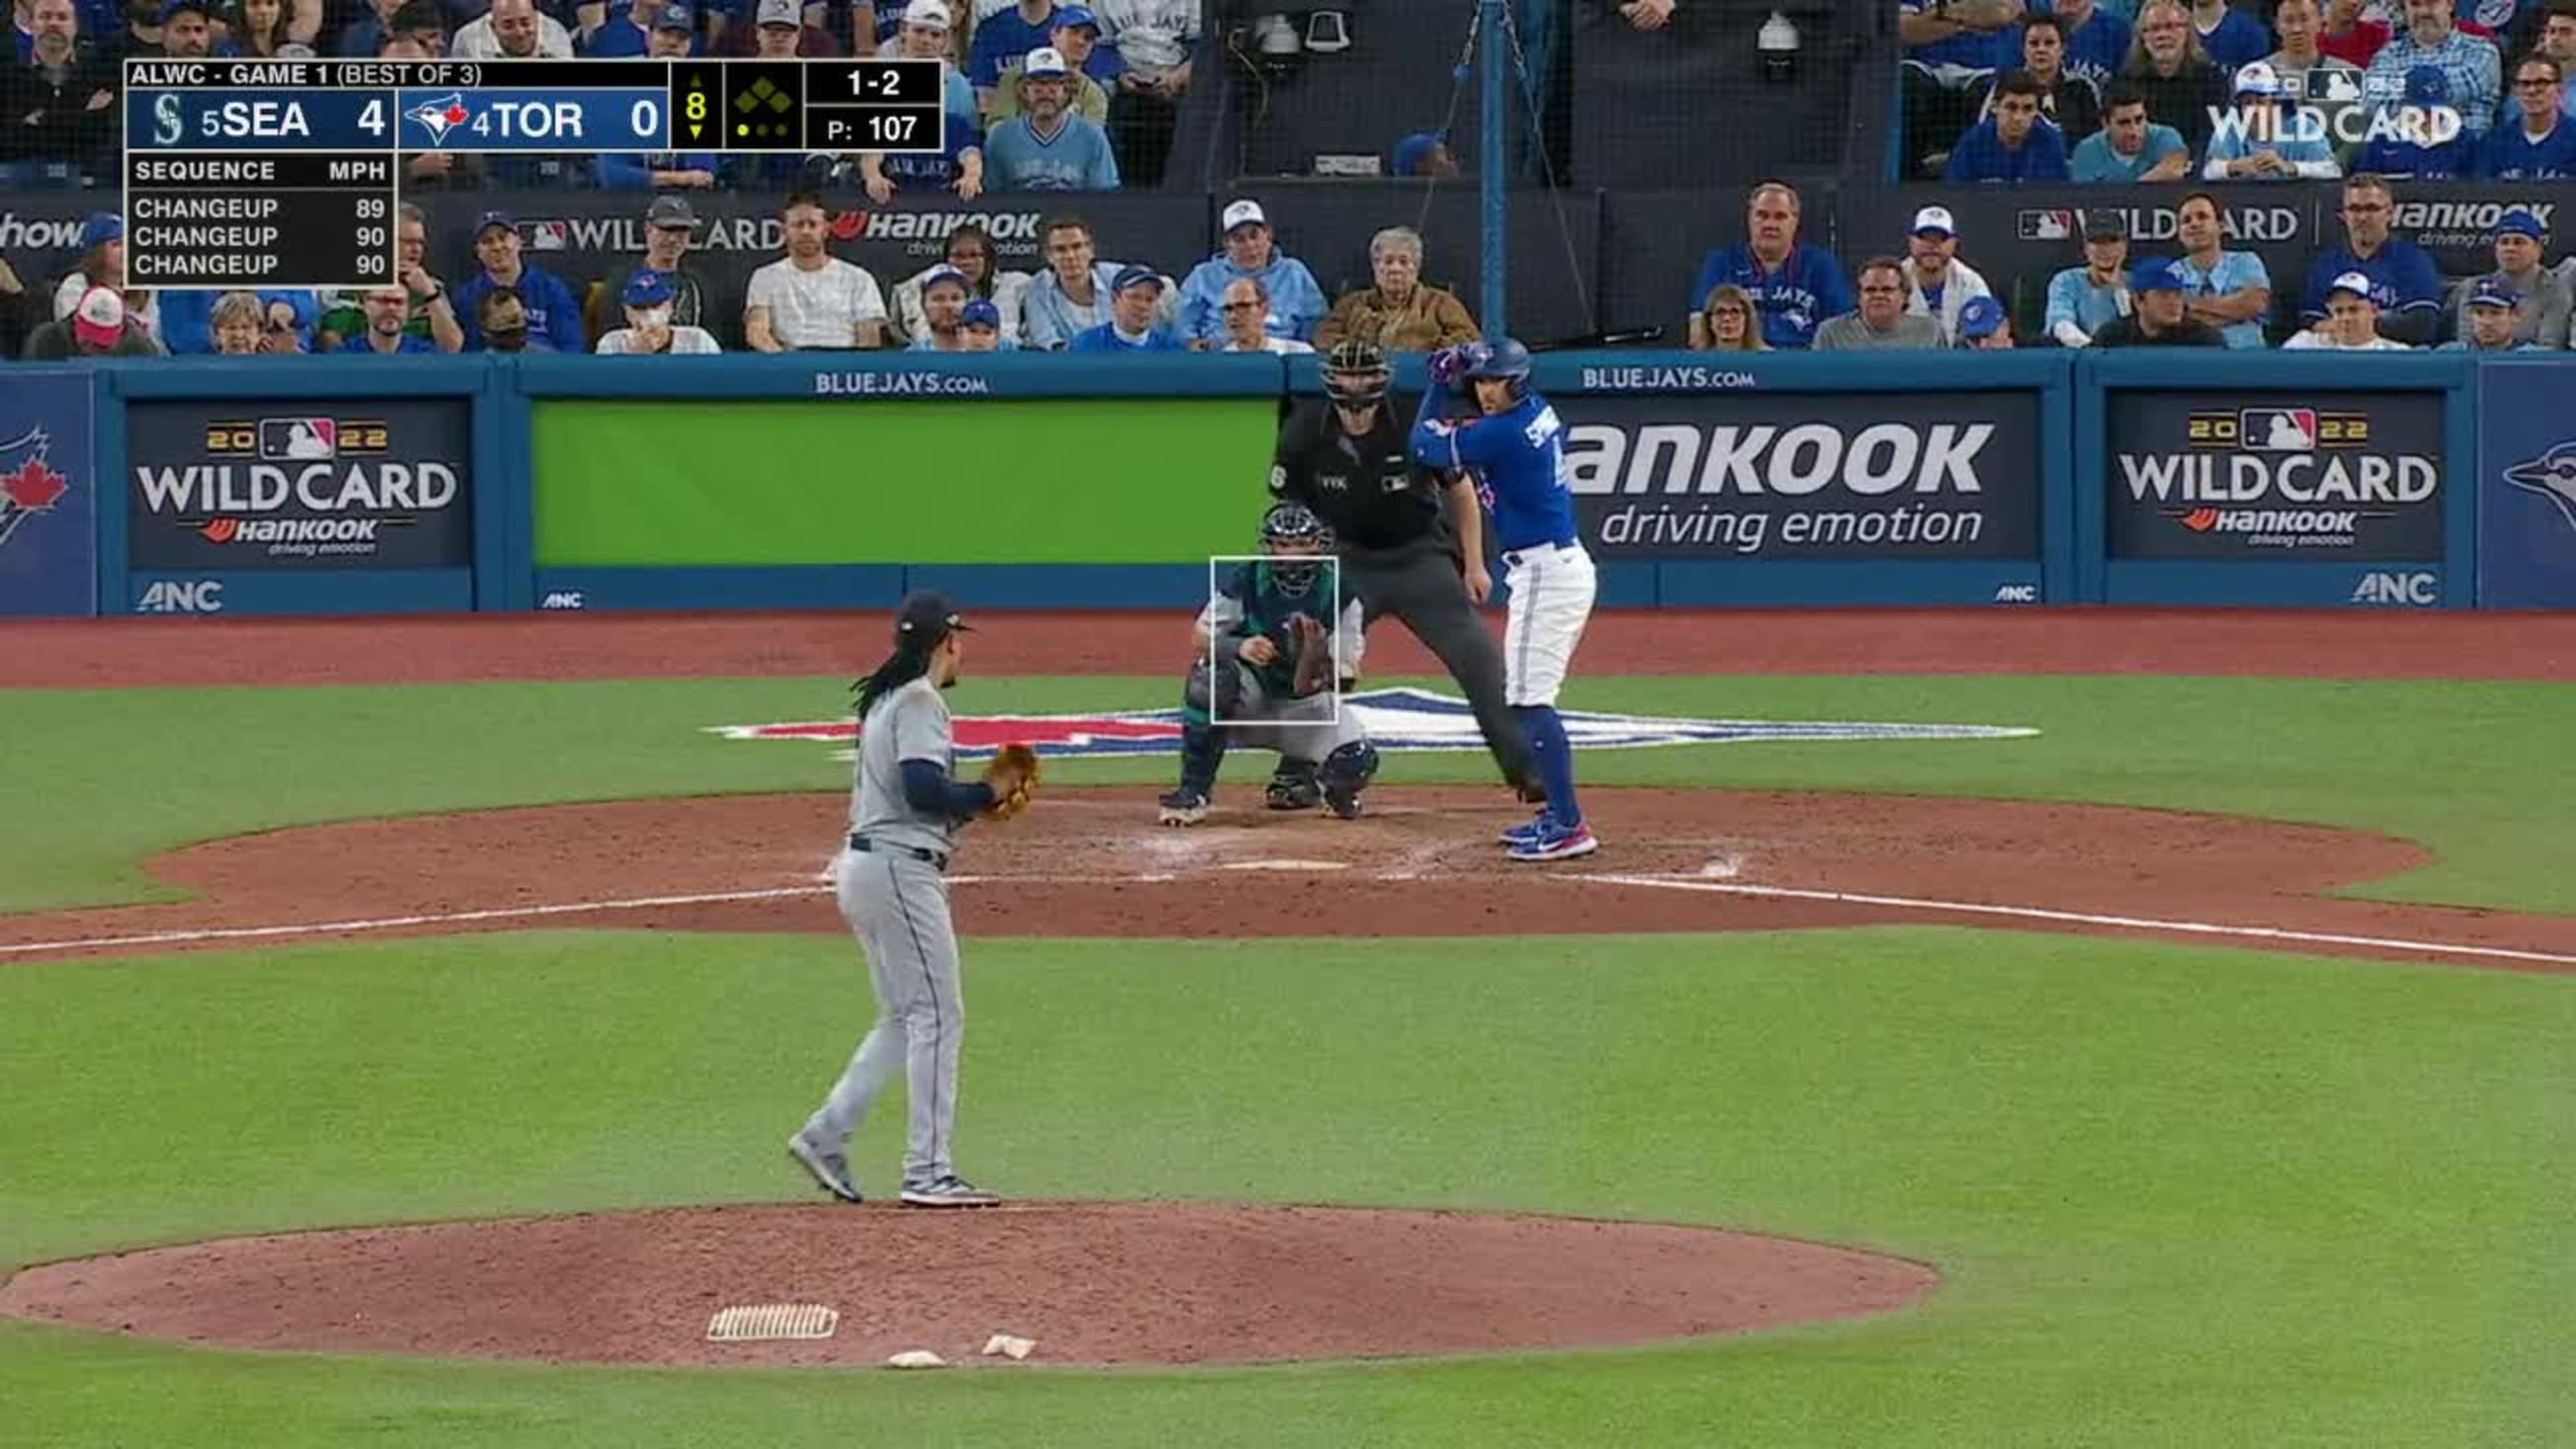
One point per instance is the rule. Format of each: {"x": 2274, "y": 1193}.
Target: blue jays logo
{"x": 1396, "y": 719}
{"x": 439, "y": 115}
{"x": 2552, "y": 475}
{"x": 27, "y": 485}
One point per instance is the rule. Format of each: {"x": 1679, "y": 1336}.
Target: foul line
{"x": 2081, "y": 918}
{"x": 397, "y": 923}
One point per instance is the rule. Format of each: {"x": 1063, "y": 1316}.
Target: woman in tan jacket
{"x": 1399, "y": 314}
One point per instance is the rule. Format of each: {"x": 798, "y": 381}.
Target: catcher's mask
{"x": 1355, "y": 374}
{"x": 1294, "y": 528}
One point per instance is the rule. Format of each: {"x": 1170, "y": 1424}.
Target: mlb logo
{"x": 2278, "y": 430}
{"x": 550, "y": 236}
{"x": 2342, "y": 87}
{"x": 298, "y": 439}
{"x": 2056, "y": 225}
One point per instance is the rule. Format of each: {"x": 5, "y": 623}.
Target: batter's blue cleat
{"x": 1527, "y": 831}
{"x": 1557, "y": 842}
{"x": 831, "y": 1169}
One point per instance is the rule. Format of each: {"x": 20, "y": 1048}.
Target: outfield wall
{"x": 311, "y": 485}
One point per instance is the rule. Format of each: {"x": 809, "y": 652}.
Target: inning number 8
{"x": 697, "y": 105}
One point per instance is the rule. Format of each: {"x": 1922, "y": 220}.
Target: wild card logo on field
{"x": 1396, "y": 719}
{"x": 2238, "y": 466}
{"x": 2552, "y": 475}
{"x": 28, "y": 485}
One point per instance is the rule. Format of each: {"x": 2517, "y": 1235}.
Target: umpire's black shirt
{"x": 1364, "y": 486}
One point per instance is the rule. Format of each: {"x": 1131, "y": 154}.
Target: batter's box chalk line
{"x": 772, "y": 1322}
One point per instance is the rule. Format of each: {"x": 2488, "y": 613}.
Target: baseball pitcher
{"x": 1272, "y": 681}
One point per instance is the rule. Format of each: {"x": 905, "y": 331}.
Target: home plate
{"x": 1285, "y": 865}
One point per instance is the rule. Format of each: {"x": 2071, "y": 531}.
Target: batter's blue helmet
{"x": 1501, "y": 358}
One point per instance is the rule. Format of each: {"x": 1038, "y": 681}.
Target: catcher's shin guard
{"x": 1293, "y": 786}
{"x": 1202, "y": 743}
{"x": 1346, "y": 773}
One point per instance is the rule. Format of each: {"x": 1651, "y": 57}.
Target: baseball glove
{"x": 1013, "y": 776}
{"x": 1314, "y": 657}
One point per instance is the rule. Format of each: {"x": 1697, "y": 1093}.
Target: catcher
{"x": 1275, "y": 672}
{"x": 905, "y": 812}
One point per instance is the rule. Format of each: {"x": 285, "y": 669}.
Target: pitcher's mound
{"x": 1092, "y": 1283}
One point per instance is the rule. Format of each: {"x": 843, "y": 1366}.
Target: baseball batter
{"x": 1516, "y": 446}
{"x": 905, "y": 811}
{"x": 1276, "y": 666}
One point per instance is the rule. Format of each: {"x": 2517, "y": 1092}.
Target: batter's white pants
{"x": 1552, "y": 593}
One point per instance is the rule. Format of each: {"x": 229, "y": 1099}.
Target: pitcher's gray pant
{"x": 898, "y": 908}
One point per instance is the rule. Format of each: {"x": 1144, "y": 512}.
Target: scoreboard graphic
{"x": 288, "y": 173}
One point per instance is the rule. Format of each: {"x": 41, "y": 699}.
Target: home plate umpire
{"x": 1410, "y": 545}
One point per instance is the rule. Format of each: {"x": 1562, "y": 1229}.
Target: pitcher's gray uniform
{"x": 894, "y": 894}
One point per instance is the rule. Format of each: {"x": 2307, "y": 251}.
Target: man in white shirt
{"x": 1153, "y": 39}
{"x": 2352, "y": 322}
{"x": 1937, "y": 283}
{"x": 649, "y": 330}
{"x": 513, "y": 30}
{"x": 810, "y": 298}
{"x": 1242, "y": 312}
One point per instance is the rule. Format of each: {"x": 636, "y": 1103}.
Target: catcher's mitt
{"x": 1314, "y": 657}
{"x": 1013, "y": 775}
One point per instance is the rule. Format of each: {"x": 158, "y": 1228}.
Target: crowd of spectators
{"x": 1251, "y": 296}
{"x": 1041, "y": 95}
{"x": 2120, "y": 91}
{"x": 1775, "y": 291}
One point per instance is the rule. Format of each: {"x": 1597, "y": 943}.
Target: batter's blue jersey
{"x": 1520, "y": 456}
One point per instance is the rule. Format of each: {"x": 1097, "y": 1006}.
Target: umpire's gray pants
{"x": 898, "y": 908}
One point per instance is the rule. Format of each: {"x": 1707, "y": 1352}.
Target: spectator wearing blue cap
{"x": 2352, "y": 321}
{"x": 1423, "y": 153}
{"x": 1251, "y": 250}
{"x": 2156, "y": 317}
{"x": 2421, "y": 138}
{"x": 979, "y": 329}
{"x": 553, "y": 313}
{"x": 649, "y": 330}
{"x": 2406, "y": 288}
{"x": 2539, "y": 144}
{"x": 2490, "y": 305}
{"x": 2540, "y": 297}
{"x": 1004, "y": 42}
{"x": 1048, "y": 148}
{"x": 1984, "y": 326}
{"x": 2266, "y": 140}
{"x": 1133, "y": 299}
{"x": 674, "y": 35}
{"x": 2013, "y": 145}
{"x": 2431, "y": 39}
{"x": 1074, "y": 293}
{"x": 1076, "y": 37}
{"x": 944, "y": 295}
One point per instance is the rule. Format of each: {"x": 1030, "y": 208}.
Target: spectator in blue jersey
{"x": 2540, "y": 297}
{"x": 2405, "y": 287}
{"x": 1073, "y": 294}
{"x": 1004, "y": 41}
{"x": 2066, "y": 100}
{"x": 2264, "y": 140}
{"x": 2471, "y": 71}
{"x": 2015, "y": 145}
{"x": 2423, "y": 138}
{"x": 1131, "y": 327}
{"x": 958, "y": 165}
{"x": 1049, "y": 148}
{"x": 630, "y": 34}
{"x": 925, "y": 35}
{"x": 1796, "y": 284}
{"x": 979, "y": 328}
{"x": 2555, "y": 38}
{"x": 2229, "y": 290}
{"x": 388, "y": 309}
{"x": 1951, "y": 48}
{"x": 2232, "y": 38}
{"x": 2083, "y": 300}
{"x": 1077, "y": 34}
{"x": 2490, "y": 305}
{"x": 1077, "y": 39}
{"x": 2130, "y": 147}
{"x": 551, "y": 312}
{"x": 2097, "y": 39}
{"x": 2539, "y": 144}
{"x": 1251, "y": 250}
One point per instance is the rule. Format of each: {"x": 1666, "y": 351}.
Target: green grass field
{"x": 2179, "y": 1196}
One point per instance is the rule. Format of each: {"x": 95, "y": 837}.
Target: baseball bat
{"x": 1628, "y": 338}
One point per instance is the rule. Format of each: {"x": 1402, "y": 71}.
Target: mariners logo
{"x": 2552, "y": 475}
{"x": 1396, "y": 719}
{"x": 28, "y": 486}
